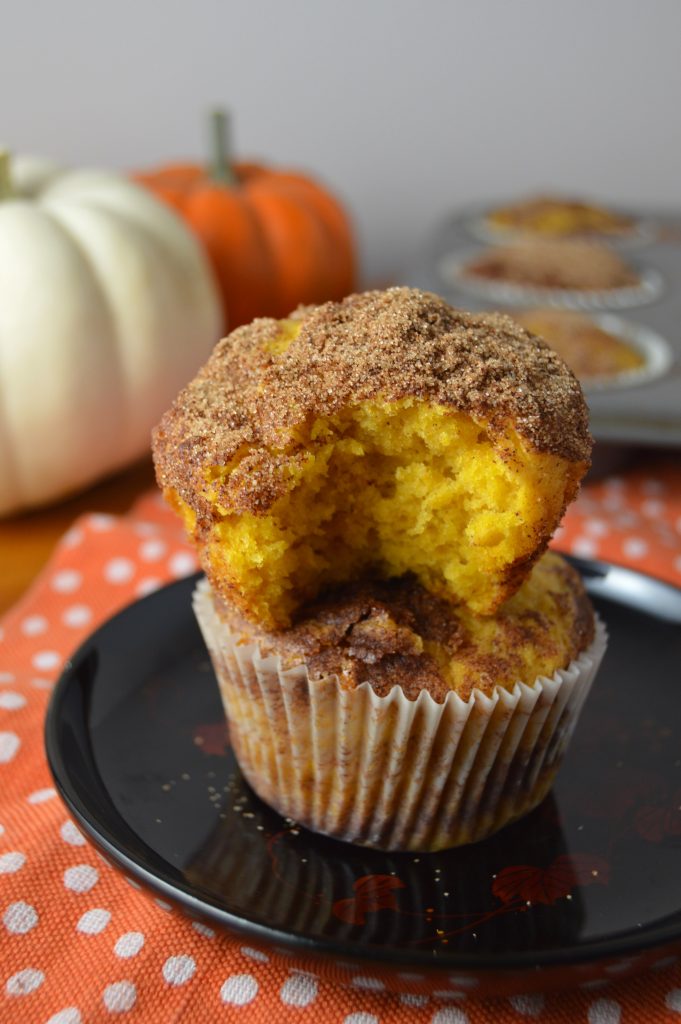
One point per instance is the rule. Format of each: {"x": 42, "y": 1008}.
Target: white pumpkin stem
{"x": 6, "y": 190}
{"x": 221, "y": 137}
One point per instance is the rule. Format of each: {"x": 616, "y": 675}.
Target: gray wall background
{"x": 407, "y": 109}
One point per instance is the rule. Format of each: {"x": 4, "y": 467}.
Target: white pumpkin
{"x": 107, "y": 307}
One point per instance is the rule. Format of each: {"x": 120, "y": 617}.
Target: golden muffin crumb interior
{"x": 395, "y": 632}
{"x": 456, "y": 469}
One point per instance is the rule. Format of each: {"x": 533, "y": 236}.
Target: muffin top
{"x": 588, "y": 349}
{"x": 396, "y": 633}
{"x": 573, "y": 264}
{"x": 266, "y": 378}
{"x": 560, "y": 216}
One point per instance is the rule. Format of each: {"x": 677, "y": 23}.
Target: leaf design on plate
{"x": 657, "y": 823}
{"x": 212, "y": 738}
{"x": 372, "y": 892}
{"x": 533, "y": 884}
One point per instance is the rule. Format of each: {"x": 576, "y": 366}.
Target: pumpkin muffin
{"x": 382, "y": 435}
{"x": 557, "y": 217}
{"x": 589, "y": 350}
{"x": 541, "y": 263}
{"x": 389, "y": 717}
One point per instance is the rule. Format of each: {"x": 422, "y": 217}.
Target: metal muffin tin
{"x": 638, "y": 407}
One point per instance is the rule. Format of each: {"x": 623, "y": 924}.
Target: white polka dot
{"x": 372, "y": 984}
{"x": 7, "y": 677}
{"x": 9, "y": 744}
{"x": 652, "y": 507}
{"x": 529, "y": 1006}
{"x": 361, "y": 1018}
{"x": 299, "y": 990}
{"x": 34, "y": 625}
{"x": 2, "y": 830}
{"x": 129, "y": 945}
{"x": 41, "y": 795}
{"x": 596, "y": 527}
{"x": 11, "y": 862}
{"x": 145, "y": 529}
{"x": 614, "y": 483}
{"x": 635, "y": 547}
{"x": 450, "y": 1015}
{"x": 604, "y": 1011}
{"x": 44, "y": 661}
{"x": 413, "y": 1000}
{"x": 204, "y": 930}
{"x": 613, "y": 502}
{"x": 20, "y": 917}
{"x": 73, "y": 537}
{"x": 183, "y": 563}
{"x": 163, "y": 905}
{"x": 448, "y": 994}
{"x": 120, "y": 997}
{"x": 653, "y": 487}
{"x": 101, "y": 521}
{"x": 410, "y": 976}
{"x": 177, "y": 970}
{"x": 76, "y": 616}
{"x": 81, "y": 878}
{"x": 42, "y": 684}
{"x": 94, "y": 921}
{"x": 673, "y": 1000}
{"x": 239, "y": 989}
{"x": 11, "y": 701}
{"x": 70, "y": 1015}
{"x": 71, "y": 835}
{"x": 153, "y": 549}
{"x": 147, "y": 586}
{"x": 119, "y": 570}
{"x": 66, "y": 581}
{"x": 23, "y": 982}
{"x": 584, "y": 547}
{"x": 255, "y": 954}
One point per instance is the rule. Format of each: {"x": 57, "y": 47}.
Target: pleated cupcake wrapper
{"x": 452, "y": 270}
{"x": 385, "y": 771}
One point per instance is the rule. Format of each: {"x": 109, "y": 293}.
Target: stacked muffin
{"x": 371, "y": 486}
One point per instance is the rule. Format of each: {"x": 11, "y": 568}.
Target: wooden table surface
{"x": 26, "y": 541}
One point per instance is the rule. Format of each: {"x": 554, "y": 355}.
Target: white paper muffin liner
{"x": 389, "y": 772}
{"x": 452, "y": 271}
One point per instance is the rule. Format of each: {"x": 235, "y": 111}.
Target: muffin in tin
{"x": 559, "y": 217}
{"x": 573, "y": 265}
{"x": 591, "y": 352}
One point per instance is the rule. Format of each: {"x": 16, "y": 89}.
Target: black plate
{"x": 581, "y": 890}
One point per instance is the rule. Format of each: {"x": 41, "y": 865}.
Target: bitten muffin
{"x": 570, "y": 265}
{"x": 385, "y": 434}
{"x": 559, "y": 217}
{"x": 589, "y": 351}
{"x": 391, "y": 718}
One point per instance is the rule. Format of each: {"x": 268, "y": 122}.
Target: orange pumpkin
{"x": 275, "y": 238}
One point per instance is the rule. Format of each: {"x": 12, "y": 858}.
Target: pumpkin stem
{"x": 6, "y": 190}
{"x": 221, "y": 137}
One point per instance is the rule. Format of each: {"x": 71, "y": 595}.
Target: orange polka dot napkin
{"x": 79, "y": 945}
